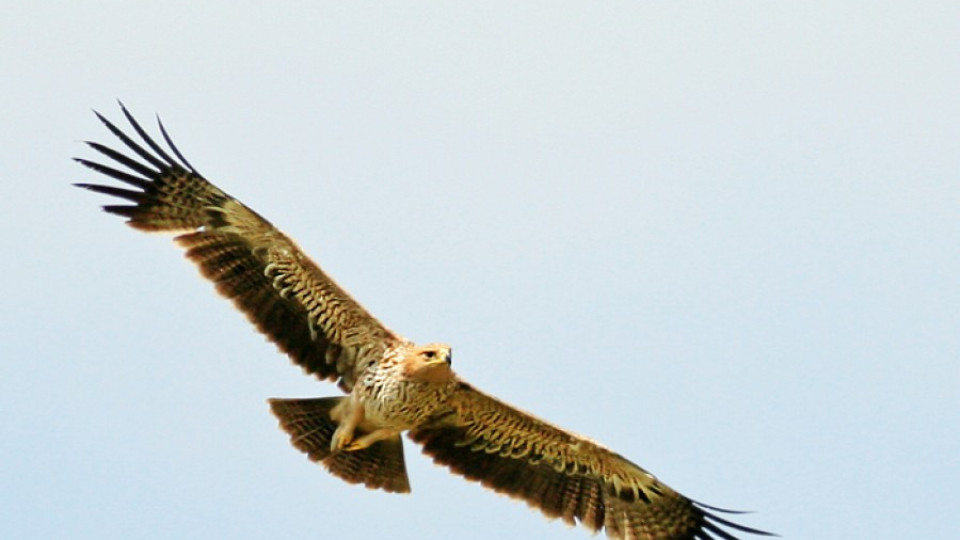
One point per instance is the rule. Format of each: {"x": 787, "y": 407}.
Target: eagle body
{"x": 392, "y": 386}
{"x": 400, "y": 392}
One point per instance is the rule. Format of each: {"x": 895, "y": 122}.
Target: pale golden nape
{"x": 392, "y": 386}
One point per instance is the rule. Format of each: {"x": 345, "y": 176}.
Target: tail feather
{"x": 379, "y": 466}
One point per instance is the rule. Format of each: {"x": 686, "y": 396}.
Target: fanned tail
{"x": 379, "y": 466}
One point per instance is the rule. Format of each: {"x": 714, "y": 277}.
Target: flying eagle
{"x": 392, "y": 385}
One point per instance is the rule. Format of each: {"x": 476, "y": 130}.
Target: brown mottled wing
{"x": 260, "y": 269}
{"x": 561, "y": 473}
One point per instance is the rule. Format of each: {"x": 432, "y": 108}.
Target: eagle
{"x": 392, "y": 385}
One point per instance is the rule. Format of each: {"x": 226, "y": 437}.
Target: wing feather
{"x": 562, "y": 474}
{"x": 266, "y": 275}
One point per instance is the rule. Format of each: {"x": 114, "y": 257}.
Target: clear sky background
{"x": 721, "y": 238}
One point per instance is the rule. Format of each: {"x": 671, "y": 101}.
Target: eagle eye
{"x": 429, "y": 354}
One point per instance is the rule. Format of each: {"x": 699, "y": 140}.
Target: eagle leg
{"x": 374, "y": 436}
{"x": 348, "y": 416}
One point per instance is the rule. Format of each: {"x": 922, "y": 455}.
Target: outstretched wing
{"x": 252, "y": 263}
{"x": 561, "y": 473}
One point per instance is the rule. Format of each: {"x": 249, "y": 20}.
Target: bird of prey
{"x": 392, "y": 385}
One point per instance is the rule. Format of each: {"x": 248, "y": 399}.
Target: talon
{"x": 369, "y": 439}
{"x": 340, "y": 440}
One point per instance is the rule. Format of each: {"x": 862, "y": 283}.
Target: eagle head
{"x": 429, "y": 363}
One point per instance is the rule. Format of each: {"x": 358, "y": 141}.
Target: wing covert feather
{"x": 562, "y": 474}
{"x": 266, "y": 275}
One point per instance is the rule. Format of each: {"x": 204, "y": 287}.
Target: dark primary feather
{"x": 260, "y": 269}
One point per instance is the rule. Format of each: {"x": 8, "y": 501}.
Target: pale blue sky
{"x": 719, "y": 238}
